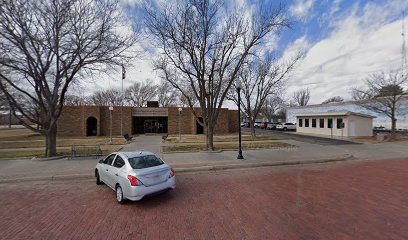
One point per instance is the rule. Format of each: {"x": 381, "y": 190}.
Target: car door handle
{"x": 107, "y": 170}
{"x": 116, "y": 174}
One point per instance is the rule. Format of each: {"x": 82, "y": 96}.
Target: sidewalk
{"x": 304, "y": 153}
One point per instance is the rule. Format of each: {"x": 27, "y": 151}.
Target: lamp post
{"x": 110, "y": 131}
{"x": 179, "y": 123}
{"x": 239, "y": 120}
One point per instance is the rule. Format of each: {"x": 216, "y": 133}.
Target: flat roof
{"x": 323, "y": 114}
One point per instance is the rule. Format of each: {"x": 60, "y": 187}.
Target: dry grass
{"x": 226, "y": 146}
{"x": 217, "y": 138}
{"x": 26, "y": 139}
{"x": 62, "y": 143}
{"x": 60, "y": 152}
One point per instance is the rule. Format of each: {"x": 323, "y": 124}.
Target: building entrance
{"x": 143, "y": 125}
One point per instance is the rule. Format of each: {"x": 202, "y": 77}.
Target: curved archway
{"x": 91, "y": 126}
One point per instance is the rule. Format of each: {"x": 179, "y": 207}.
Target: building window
{"x": 306, "y": 122}
{"x": 300, "y": 122}
{"x": 314, "y": 122}
{"x": 340, "y": 123}
{"x": 330, "y": 123}
{"x": 321, "y": 122}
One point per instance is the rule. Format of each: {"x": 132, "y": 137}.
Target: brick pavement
{"x": 364, "y": 200}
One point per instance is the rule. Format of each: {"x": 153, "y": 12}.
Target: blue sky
{"x": 343, "y": 41}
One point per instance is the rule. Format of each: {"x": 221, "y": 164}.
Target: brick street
{"x": 361, "y": 200}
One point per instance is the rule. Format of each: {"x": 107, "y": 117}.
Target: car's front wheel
{"x": 119, "y": 195}
{"x": 98, "y": 179}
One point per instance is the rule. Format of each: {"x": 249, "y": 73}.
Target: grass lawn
{"x": 28, "y": 139}
{"x": 218, "y": 138}
{"x": 60, "y": 152}
{"x": 227, "y": 146}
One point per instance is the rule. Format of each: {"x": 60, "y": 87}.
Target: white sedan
{"x": 134, "y": 175}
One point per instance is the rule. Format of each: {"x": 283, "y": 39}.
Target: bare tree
{"x": 301, "y": 97}
{"x": 383, "y": 94}
{"x": 260, "y": 79}
{"x": 75, "y": 100}
{"x": 110, "y": 97}
{"x": 166, "y": 94}
{"x": 333, "y": 100}
{"x": 272, "y": 106}
{"x": 140, "y": 92}
{"x": 203, "y": 46}
{"x": 46, "y": 45}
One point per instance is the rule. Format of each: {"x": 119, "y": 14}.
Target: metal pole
{"x": 121, "y": 112}
{"x": 110, "y": 132}
{"x": 239, "y": 124}
{"x": 179, "y": 126}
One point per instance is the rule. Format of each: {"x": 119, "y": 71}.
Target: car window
{"x": 146, "y": 161}
{"x": 119, "y": 162}
{"x": 109, "y": 159}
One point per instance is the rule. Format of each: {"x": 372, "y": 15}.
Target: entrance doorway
{"x": 149, "y": 125}
{"x": 91, "y": 126}
{"x": 199, "y": 128}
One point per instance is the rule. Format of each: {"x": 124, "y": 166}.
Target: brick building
{"x": 95, "y": 121}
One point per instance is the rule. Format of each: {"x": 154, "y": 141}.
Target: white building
{"x": 340, "y": 124}
{"x": 380, "y": 120}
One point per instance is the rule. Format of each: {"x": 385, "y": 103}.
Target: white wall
{"x": 380, "y": 120}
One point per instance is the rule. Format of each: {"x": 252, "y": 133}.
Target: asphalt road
{"x": 360, "y": 200}
{"x": 302, "y": 138}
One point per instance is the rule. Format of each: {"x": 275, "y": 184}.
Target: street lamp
{"x": 179, "y": 123}
{"x": 239, "y": 119}
{"x": 110, "y": 114}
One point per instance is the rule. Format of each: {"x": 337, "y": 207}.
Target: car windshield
{"x": 145, "y": 161}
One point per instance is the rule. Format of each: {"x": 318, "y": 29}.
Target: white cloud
{"x": 301, "y": 9}
{"x": 358, "y": 46}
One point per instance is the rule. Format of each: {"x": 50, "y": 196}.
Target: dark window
{"x": 339, "y": 123}
{"x": 306, "y": 122}
{"x": 314, "y": 122}
{"x": 118, "y": 162}
{"x": 321, "y": 122}
{"x": 329, "y": 123}
{"x": 145, "y": 161}
{"x": 109, "y": 159}
{"x": 300, "y": 122}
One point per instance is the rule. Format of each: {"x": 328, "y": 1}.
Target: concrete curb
{"x": 232, "y": 150}
{"x": 346, "y": 157}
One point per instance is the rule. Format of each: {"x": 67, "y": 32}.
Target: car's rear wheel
{"x": 98, "y": 179}
{"x": 119, "y": 195}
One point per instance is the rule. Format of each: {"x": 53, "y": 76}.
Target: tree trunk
{"x": 251, "y": 124}
{"x": 393, "y": 127}
{"x": 51, "y": 142}
{"x": 10, "y": 118}
{"x": 210, "y": 138}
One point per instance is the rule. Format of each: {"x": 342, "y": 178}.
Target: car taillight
{"x": 172, "y": 172}
{"x": 134, "y": 181}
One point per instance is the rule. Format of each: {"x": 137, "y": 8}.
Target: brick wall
{"x": 233, "y": 120}
{"x": 72, "y": 121}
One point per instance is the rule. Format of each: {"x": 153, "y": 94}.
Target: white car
{"x": 286, "y": 126}
{"x": 134, "y": 175}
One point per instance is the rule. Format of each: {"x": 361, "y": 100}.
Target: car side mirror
{"x": 100, "y": 160}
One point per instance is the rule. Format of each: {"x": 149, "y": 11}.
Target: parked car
{"x": 264, "y": 125}
{"x": 134, "y": 175}
{"x": 286, "y": 126}
{"x": 244, "y": 124}
{"x": 257, "y": 124}
{"x": 272, "y": 126}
